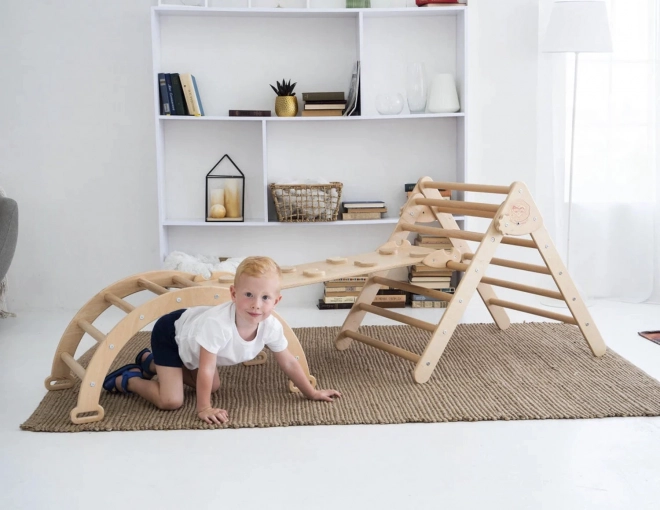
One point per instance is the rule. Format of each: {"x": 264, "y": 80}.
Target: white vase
{"x": 443, "y": 97}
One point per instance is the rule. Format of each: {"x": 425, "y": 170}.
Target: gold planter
{"x": 286, "y": 106}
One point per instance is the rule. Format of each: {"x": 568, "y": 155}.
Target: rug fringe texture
{"x": 531, "y": 371}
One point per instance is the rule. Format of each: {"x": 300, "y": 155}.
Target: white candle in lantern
{"x": 217, "y": 197}
{"x": 232, "y": 198}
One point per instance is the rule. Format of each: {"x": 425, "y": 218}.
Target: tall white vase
{"x": 443, "y": 97}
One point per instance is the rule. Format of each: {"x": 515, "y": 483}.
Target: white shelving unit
{"x": 236, "y": 52}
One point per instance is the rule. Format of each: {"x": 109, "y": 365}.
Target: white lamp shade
{"x": 578, "y": 26}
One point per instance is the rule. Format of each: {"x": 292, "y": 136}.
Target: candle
{"x": 217, "y": 197}
{"x": 232, "y": 199}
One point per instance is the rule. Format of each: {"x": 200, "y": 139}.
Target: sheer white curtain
{"x": 615, "y": 219}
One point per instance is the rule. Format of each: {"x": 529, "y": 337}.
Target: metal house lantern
{"x": 225, "y": 194}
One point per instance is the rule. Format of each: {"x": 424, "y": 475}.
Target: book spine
{"x": 339, "y": 299}
{"x": 199, "y": 99}
{"x": 428, "y": 304}
{"x": 384, "y": 298}
{"x": 323, "y": 96}
{"x": 361, "y": 216}
{"x": 249, "y": 113}
{"x": 177, "y": 93}
{"x": 347, "y": 288}
{"x": 420, "y": 297}
{"x": 164, "y": 97}
{"x": 189, "y": 94}
{"x": 170, "y": 95}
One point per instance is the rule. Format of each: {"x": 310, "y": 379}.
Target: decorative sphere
{"x": 389, "y": 104}
{"x": 218, "y": 211}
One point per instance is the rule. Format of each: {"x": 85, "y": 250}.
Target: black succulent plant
{"x": 284, "y": 88}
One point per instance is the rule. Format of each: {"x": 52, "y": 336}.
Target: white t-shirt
{"x": 214, "y": 328}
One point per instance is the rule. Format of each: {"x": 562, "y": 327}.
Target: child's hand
{"x": 213, "y": 415}
{"x": 327, "y": 395}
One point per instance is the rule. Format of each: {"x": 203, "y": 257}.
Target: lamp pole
{"x": 570, "y": 171}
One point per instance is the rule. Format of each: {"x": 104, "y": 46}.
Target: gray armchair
{"x": 8, "y": 233}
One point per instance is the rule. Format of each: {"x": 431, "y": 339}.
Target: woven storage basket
{"x": 307, "y": 202}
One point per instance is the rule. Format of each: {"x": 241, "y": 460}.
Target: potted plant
{"x": 286, "y": 103}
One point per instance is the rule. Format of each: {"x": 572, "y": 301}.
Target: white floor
{"x": 566, "y": 464}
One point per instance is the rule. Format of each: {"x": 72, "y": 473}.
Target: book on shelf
{"x": 327, "y": 102}
{"x": 249, "y": 113}
{"x": 177, "y": 94}
{"x": 347, "y": 306}
{"x": 170, "y": 93}
{"x": 421, "y": 268}
{"x": 421, "y": 297}
{"x": 353, "y": 100}
{"x": 324, "y": 106}
{"x": 361, "y": 216}
{"x": 364, "y": 204}
{"x": 367, "y": 209}
{"x": 347, "y": 288}
{"x": 323, "y": 96}
{"x": 191, "y": 94}
{"x": 163, "y": 95}
{"x": 432, "y": 285}
{"x": 346, "y": 293}
{"x": 339, "y": 299}
{"x": 346, "y": 279}
{"x": 445, "y": 281}
{"x": 321, "y": 113}
{"x": 428, "y": 304}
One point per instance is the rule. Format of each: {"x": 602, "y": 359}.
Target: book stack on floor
{"x": 323, "y": 104}
{"x": 341, "y": 293}
{"x": 179, "y": 95}
{"x": 430, "y": 277}
{"x": 363, "y": 210}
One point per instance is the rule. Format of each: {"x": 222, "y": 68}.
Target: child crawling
{"x": 189, "y": 344}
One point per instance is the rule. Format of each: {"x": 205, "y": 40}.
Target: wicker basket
{"x": 306, "y": 202}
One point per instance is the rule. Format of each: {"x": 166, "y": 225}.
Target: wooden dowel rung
{"x": 185, "y": 282}
{"x": 397, "y": 351}
{"x": 408, "y": 287}
{"x": 460, "y": 186}
{"x": 534, "y": 311}
{"x": 457, "y": 204}
{"x": 523, "y": 288}
{"x": 75, "y": 367}
{"x": 465, "y": 212}
{"x": 534, "y": 268}
{"x": 95, "y": 333}
{"x": 153, "y": 287}
{"x": 399, "y": 317}
{"x": 118, "y": 302}
{"x": 462, "y": 234}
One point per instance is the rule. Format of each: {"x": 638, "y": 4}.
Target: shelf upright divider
{"x": 264, "y": 166}
{"x": 160, "y": 136}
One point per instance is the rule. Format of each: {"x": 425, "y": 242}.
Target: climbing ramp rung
{"x": 455, "y": 204}
{"x": 534, "y": 311}
{"x": 153, "y": 287}
{"x": 396, "y": 284}
{"x": 119, "y": 302}
{"x": 523, "y": 288}
{"x": 461, "y": 186}
{"x": 96, "y": 334}
{"x": 534, "y": 268}
{"x": 75, "y": 367}
{"x": 397, "y": 351}
{"x": 399, "y": 317}
{"x": 463, "y": 234}
{"x": 184, "y": 282}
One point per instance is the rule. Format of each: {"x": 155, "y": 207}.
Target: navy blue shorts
{"x": 163, "y": 344}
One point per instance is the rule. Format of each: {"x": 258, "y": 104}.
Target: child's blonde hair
{"x": 258, "y": 266}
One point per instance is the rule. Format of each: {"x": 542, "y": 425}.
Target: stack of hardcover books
{"x": 341, "y": 293}
{"x": 430, "y": 277}
{"x": 323, "y": 104}
{"x": 364, "y": 210}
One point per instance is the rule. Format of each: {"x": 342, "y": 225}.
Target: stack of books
{"x": 179, "y": 95}
{"x": 323, "y": 104}
{"x": 341, "y": 293}
{"x": 364, "y": 210}
{"x": 430, "y": 277}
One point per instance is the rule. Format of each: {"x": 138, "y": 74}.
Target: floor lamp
{"x": 579, "y": 26}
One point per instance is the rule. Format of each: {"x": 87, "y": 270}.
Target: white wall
{"x": 78, "y": 151}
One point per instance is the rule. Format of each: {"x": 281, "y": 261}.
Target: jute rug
{"x": 530, "y": 371}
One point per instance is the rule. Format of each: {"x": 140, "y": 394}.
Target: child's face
{"x": 255, "y": 297}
